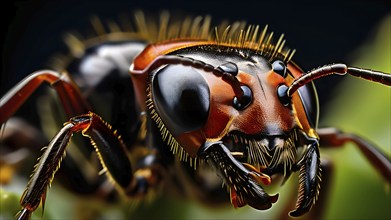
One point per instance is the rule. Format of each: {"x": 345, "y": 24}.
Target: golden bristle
{"x": 98, "y": 26}
{"x": 152, "y": 29}
{"x": 163, "y": 26}
{"x": 75, "y": 43}
{"x": 167, "y": 137}
{"x": 114, "y": 27}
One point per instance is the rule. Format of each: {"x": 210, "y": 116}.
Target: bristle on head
{"x": 155, "y": 29}
{"x": 175, "y": 147}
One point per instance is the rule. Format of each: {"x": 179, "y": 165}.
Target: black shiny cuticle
{"x": 230, "y": 68}
{"x": 279, "y": 67}
{"x": 246, "y": 99}
{"x": 282, "y": 92}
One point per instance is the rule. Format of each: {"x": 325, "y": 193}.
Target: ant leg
{"x": 333, "y": 137}
{"x": 71, "y": 100}
{"x": 68, "y": 92}
{"x": 309, "y": 179}
{"x": 108, "y": 145}
{"x": 318, "y": 209}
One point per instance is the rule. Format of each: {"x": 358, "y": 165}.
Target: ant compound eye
{"x": 230, "y": 68}
{"x": 245, "y": 100}
{"x": 181, "y": 97}
{"x": 279, "y": 67}
{"x": 282, "y": 92}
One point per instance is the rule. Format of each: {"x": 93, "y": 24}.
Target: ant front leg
{"x": 109, "y": 147}
{"x": 319, "y": 208}
{"x": 309, "y": 178}
{"x": 332, "y": 137}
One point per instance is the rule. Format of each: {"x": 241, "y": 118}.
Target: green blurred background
{"x": 358, "y": 106}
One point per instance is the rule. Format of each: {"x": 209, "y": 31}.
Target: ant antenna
{"x": 227, "y": 72}
{"x": 340, "y": 69}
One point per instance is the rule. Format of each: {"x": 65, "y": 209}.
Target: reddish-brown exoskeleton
{"x": 232, "y": 98}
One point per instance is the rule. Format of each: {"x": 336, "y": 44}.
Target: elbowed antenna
{"x": 340, "y": 69}
{"x": 227, "y": 72}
